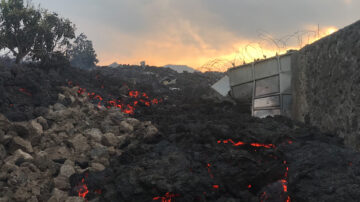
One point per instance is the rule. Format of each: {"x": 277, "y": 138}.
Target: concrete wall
{"x": 326, "y": 84}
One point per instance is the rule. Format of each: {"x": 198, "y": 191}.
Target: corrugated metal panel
{"x": 267, "y": 86}
{"x": 273, "y": 101}
{"x": 266, "y": 68}
{"x": 243, "y": 92}
{"x": 240, "y": 75}
{"x": 267, "y": 112}
{"x": 285, "y": 63}
{"x": 222, "y": 86}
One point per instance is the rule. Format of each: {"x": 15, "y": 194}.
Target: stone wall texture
{"x": 326, "y": 84}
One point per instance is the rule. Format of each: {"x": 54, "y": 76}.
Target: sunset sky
{"x": 198, "y": 32}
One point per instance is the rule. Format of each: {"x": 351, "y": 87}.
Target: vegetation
{"x": 82, "y": 53}
{"x": 41, "y": 35}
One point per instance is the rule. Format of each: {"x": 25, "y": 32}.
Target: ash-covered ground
{"x": 134, "y": 134}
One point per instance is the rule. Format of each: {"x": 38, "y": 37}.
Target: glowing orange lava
{"x": 128, "y": 108}
{"x": 167, "y": 198}
{"x": 243, "y": 143}
{"x": 284, "y": 182}
{"x": 83, "y": 190}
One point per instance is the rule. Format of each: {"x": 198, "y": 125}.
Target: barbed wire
{"x": 260, "y": 49}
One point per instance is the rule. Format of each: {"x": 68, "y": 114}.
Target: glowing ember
{"x": 155, "y": 101}
{"x": 81, "y": 91}
{"x": 145, "y": 96}
{"x": 83, "y": 190}
{"x": 209, "y": 171}
{"x": 128, "y": 108}
{"x": 243, "y": 143}
{"x": 167, "y": 198}
{"x": 23, "y": 90}
{"x": 216, "y": 186}
{"x": 284, "y": 182}
{"x": 134, "y": 94}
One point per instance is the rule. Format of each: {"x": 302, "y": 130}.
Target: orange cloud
{"x": 183, "y": 43}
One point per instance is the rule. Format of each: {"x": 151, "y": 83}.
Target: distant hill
{"x": 114, "y": 65}
{"x": 181, "y": 68}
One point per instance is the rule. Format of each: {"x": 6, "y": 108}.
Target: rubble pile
{"x": 82, "y": 143}
{"x": 38, "y": 157}
{"x": 27, "y": 90}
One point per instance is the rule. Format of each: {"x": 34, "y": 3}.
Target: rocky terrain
{"x": 126, "y": 135}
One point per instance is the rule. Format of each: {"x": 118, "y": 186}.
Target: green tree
{"x": 53, "y": 37}
{"x": 18, "y": 27}
{"x": 82, "y": 53}
{"x": 26, "y": 30}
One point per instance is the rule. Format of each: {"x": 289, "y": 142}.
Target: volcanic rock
{"x": 58, "y": 107}
{"x": 94, "y": 133}
{"x": 20, "y": 143}
{"x": 19, "y": 155}
{"x": 43, "y": 122}
{"x": 20, "y": 129}
{"x": 67, "y": 170}
{"x": 109, "y": 139}
{"x": 185, "y": 148}
{"x": 37, "y": 125}
{"x": 58, "y": 152}
{"x": 58, "y": 196}
{"x": 132, "y": 121}
{"x": 4, "y": 199}
{"x": 4, "y": 122}
{"x": 96, "y": 167}
{"x": 62, "y": 182}
{"x": 150, "y": 131}
{"x": 75, "y": 199}
{"x": 2, "y": 152}
{"x": 126, "y": 127}
{"x": 79, "y": 143}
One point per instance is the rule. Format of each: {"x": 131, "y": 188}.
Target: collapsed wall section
{"x": 326, "y": 84}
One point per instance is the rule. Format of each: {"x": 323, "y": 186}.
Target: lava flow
{"x": 284, "y": 182}
{"x": 127, "y": 106}
{"x": 83, "y": 189}
{"x": 167, "y": 198}
{"x": 239, "y": 143}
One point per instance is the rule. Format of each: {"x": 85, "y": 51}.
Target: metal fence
{"x": 264, "y": 85}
